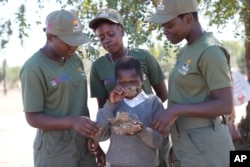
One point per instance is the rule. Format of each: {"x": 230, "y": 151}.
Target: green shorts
{"x": 202, "y": 147}
{"x": 64, "y": 148}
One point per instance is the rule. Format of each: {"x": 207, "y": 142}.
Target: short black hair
{"x": 129, "y": 63}
{"x": 103, "y": 21}
{"x": 195, "y": 15}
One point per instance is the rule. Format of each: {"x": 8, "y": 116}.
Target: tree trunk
{"x": 4, "y": 77}
{"x": 244, "y": 126}
{"x": 247, "y": 56}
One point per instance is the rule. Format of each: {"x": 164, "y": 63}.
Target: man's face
{"x": 60, "y": 48}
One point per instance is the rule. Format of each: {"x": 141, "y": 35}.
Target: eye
{"x": 122, "y": 83}
{"x": 111, "y": 34}
{"x": 101, "y": 38}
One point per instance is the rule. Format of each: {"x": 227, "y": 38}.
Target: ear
{"x": 189, "y": 18}
{"x": 122, "y": 30}
{"x": 49, "y": 37}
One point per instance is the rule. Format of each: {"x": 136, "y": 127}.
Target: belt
{"x": 187, "y": 123}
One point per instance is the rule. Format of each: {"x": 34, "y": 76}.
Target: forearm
{"x": 103, "y": 118}
{"x": 161, "y": 90}
{"x": 152, "y": 138}
{"x": 46, "y": 122}
{"x": 105, "y": 114}
{"x": 211, "y": 108}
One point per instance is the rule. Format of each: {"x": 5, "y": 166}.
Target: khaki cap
{"x": 67, "y": 27}
{"x": 106, "y": 14}
{"x": 167, "y": 10}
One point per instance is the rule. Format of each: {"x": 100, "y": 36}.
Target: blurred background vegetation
{"x": 139, "y": 32}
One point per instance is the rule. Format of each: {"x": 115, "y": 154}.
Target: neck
{"x": 195, "y": 33}
{"x": 114, "y": 57}
{"x": 52, "y": 55}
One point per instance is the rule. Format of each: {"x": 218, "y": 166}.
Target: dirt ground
{"x": 16, "y": 136}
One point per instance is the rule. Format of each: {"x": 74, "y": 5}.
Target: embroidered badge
{"x": 49, "y": 25}
{"x": 59, "y": 80}
{"x": 184, "y": 69}
{"x": 82, "y": 71}
{"x": 103, "y": 13}
{"x": 109, "y": 81}
{"x": 76, "y": 26}
{"x": 160, "y": 6}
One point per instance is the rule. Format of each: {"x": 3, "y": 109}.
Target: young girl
{"x": 132, "y": 149}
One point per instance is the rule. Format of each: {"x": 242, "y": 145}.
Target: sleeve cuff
{"x": 109, "y": 106}
{"x": 145, "y": 131}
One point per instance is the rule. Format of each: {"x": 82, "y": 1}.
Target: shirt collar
{"x": 136, "y": 100}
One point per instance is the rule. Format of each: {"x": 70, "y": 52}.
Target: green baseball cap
{"x": 169, "y": 9}
{"x": 67, "y": 27}
{"x": 106, "y": 14}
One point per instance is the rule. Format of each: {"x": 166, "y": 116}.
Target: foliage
{"x": 135, "y": 14}
{"x": 221, "y": 11}
{"x": 237, "y": 52}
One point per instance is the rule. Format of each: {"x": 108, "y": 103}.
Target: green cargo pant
{"x": 202, "y": 147}
{"x": 62, "y": 148}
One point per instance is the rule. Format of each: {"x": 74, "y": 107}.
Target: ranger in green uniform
{"x": 54, "y": 92}
{"x": 109, "y": 28}
{"x": 199, "y": 90}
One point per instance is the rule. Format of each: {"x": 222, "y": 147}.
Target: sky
{"x": 16, "y": 55}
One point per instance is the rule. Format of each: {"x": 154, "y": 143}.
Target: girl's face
{"x": 176, "y": 30}
{"x": 129, "y": 78}
{"x": 110, "y": 36}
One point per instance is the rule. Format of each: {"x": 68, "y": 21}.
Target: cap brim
{"x": 161, "y": 19}
{"x": 93, "y": 22}
{"x": 75, "y": 40}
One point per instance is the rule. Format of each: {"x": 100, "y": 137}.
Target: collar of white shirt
{"x": 136, "y": 100}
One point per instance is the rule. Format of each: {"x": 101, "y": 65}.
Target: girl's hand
{"x": 117, "y": 94}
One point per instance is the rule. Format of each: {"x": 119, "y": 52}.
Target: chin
{"x": 69, "y": 55}
{"x": 174, "y": 41}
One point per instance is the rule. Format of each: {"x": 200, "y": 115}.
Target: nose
{"x": 165, "y": 31}
{"x": 72, "y": 48}
{"x": 107, "y": 40}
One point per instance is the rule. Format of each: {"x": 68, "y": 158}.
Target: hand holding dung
{"x": 124, "y": 124}
{"x": 120, "y": 92}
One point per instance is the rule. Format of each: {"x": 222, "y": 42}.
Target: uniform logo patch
{"x": 160, "y": 6}
{"x": 76, "y": 26}
{"x": 184, "y": 69}
{"x": 103, "y": 13}
{"x": 59, "y": 80}
{"x": 109, "y": 81}
{"x": 82, "y": 71}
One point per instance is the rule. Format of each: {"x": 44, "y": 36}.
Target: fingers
{"x": 92, "y": 146}
{"x": 117, "y": 94}
{"x": 90, "y": 131}
{"x": 162, "y": 125}
{"x": 158, "y": 124}
{"x": 86, "y": 127}
{"x": 101, "y": 158}
{"x": 165, "y": 132}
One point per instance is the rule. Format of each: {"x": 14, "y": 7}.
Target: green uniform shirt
{"x": 200, "y": 68}
{"x": 102, "y": 76}
{"x": 57, "y": 89}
